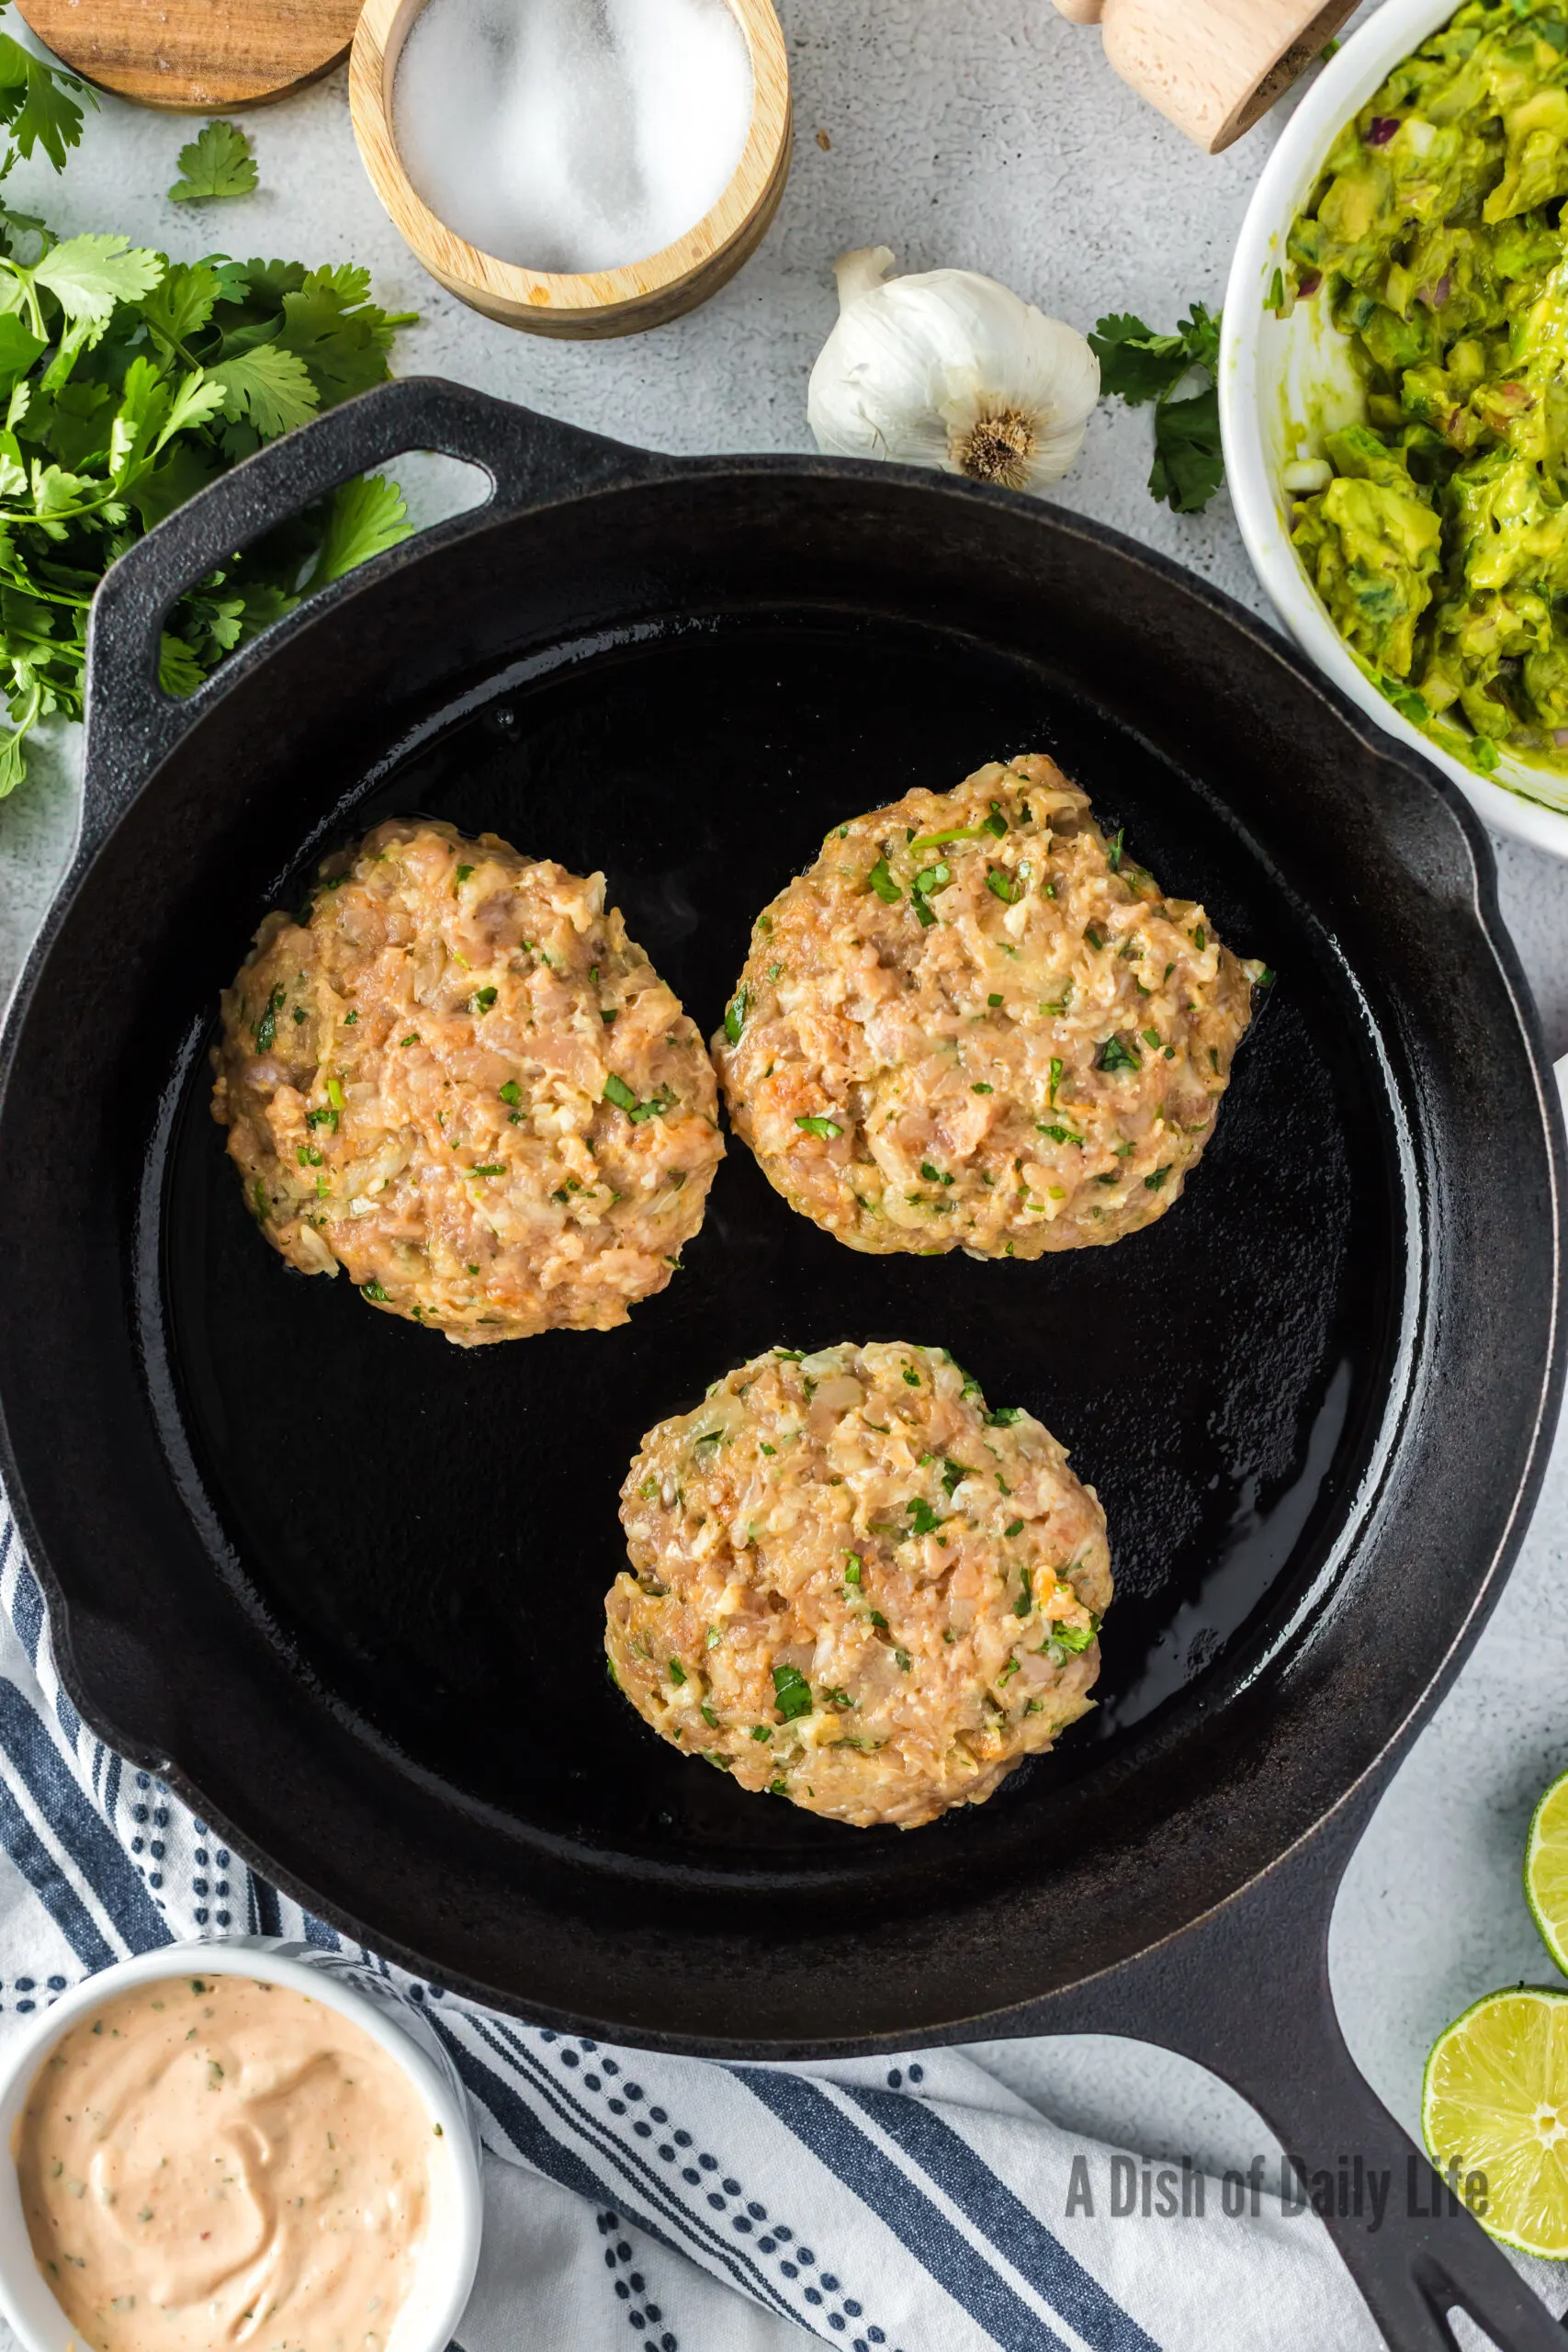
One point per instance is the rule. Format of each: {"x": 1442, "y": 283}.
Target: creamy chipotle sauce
{"x": 212, "y": 2160}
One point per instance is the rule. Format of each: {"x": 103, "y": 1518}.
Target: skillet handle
{"x": 531, "y": 460}
{"x": 1246, "y": 1993}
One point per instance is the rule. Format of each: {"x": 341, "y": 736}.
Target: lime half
{"x": 1546, "y": 1870}
{"x": 1494, "y": 2103}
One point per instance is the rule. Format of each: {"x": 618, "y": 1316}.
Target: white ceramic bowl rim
{"x": 451, "y": 2255}
{"x": 1338, "y": 93}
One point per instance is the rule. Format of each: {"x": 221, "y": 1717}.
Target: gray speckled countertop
{"x": 988, "y": 133}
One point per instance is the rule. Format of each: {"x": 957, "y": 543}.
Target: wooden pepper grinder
{"x": 1212, "y": 66}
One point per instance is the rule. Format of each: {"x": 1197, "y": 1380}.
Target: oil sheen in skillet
{"x": 208, "y": 2160}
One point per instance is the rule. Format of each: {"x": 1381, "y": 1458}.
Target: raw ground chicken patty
{"x": 854, "y": 1587}
{"x": 455, "y": 1075}
{"x": 973, "y": 1024}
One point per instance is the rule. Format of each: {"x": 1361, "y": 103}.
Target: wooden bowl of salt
{"x": 575, "y": 168}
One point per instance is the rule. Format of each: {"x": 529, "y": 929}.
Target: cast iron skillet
{"x": 340, "y": 1584}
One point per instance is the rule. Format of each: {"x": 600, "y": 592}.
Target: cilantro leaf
{"x": 1188, "y": 463}
{"x": 1200, "y": 334}
{"x": 1136, "y": 363}
{"x": 87, "y": 276}
{"x": 217, "y": 161}
{"x": 1140, "y": 366}
{"x": 144, "y": 404}
{"x": 340, "y": 337}
{"x": 189, "y": 466}
{"x": 198, "y": 401}
{"x": 13, "y": 765}
{"x": 179, "y": 672}
{"x": 180, "y": 306}
{"x": 38, "y": 104}
{"x": 269, "y": 388}
{"x": 269, "y": 281}
{"x": 19, "y": 348}
{"x": 366, "y": 516}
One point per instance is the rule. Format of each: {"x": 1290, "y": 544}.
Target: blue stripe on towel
{"x": 26, "y": 1601}
{"x": 712, "y": 2244}
{"x": 21, "y": 1842}
{"x": 837, "y": 2141}
{"x": 86, "y": 1837}
{"x": 521, "y": 2125}
{"x": 1006, "y": 2220}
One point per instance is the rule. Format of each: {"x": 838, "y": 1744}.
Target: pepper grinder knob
{"x": 1213, "y": 67}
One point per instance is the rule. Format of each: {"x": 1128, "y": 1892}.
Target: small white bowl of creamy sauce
{"x": 247, "y": 2144}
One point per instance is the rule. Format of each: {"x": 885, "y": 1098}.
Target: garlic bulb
{"x": 952, "y": 370}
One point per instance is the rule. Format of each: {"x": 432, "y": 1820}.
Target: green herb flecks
{"x": 881, "y": 880}
{"x": 264, "y": 1029}
{"x": 1068, "y": 1641}
{"x": 792, "y": 1692}
{"x": 1115, "y": 1054}
{"x": 824, "y": 1128}
{"x": 735, "y": 1016}
{"x": 994, "y": 826}
{"x": 932, "y": 878}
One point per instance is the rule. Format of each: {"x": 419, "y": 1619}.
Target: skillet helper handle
{"x": 531, "y": 459}
{"x": 1246, "y": 1993}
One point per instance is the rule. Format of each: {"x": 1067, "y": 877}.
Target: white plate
{"x": 1275, "y": 372}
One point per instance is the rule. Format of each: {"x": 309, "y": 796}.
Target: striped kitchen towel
{"x": 638, "y": 2203}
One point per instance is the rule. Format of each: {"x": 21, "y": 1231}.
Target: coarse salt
{"x": 572, "y": 134}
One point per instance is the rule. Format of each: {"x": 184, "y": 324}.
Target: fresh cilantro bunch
{"x": 128, "y": 381}
{"x": 1140, "y": 366}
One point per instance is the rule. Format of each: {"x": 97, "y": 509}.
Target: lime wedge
{"x": 1546, "y": 1870}
{"x": 1495, "y": 2102}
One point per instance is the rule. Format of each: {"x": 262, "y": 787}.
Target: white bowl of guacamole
{"x": 1394, "y": 390}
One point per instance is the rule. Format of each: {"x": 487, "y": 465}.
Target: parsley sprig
{"x": 128, "y": 381}
{"x": 1140, "y": 366}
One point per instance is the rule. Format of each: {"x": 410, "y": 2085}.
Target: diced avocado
{"x": 1441, "y": 547}
{"x": 1373, "y": 553}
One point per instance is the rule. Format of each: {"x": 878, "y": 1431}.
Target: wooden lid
{"x": 196, "y": 56}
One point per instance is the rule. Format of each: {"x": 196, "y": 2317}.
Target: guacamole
{"x": 1439, "y": 236}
